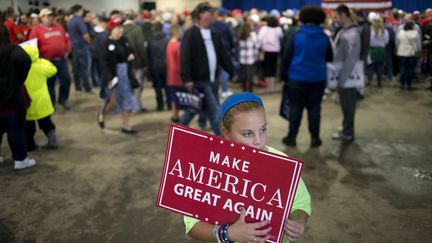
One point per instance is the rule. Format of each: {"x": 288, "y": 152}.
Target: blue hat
{"x": 236, "y": 99}
{"x": 223, "y": 11}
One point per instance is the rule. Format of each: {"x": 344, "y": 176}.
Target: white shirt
{"x": 211, "y": 52}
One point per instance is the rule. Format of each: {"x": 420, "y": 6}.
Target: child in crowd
{"x": 41, "y": 107}
{"x": 249, "y": 48}
{"x": 173, "y": 67}
{"x": 243, "y": 120}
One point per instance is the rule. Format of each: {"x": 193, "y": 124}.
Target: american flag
{"x": 370, "y": 5}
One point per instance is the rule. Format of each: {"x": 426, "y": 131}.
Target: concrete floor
{"x": 100, "y": 186}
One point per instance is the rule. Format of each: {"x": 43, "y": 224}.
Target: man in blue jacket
{"x": 305, "y": 69}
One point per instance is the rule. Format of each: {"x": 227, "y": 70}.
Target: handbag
{"x": 284, "y": 109}
{"x": 417, "y": 52}
{"x": 132, "y": 79}
{"x": 355, "y": 80}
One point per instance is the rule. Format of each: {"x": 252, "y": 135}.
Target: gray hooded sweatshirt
{"x": 347, "y": 51}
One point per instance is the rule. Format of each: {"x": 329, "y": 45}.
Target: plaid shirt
{"x": 249, "y": 49}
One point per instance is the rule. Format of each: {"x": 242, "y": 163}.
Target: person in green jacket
{"x": 41, "y": 107}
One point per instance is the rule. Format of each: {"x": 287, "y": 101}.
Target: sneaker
{"x": 290, "y": 142}
{"x": 340, "y": 136}
{"x": 22, "y": 164}
{"x": 315, "y": 142}
{"x": 226, "y": 94}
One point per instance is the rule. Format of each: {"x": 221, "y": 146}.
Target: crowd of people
{"x": 201, "y": 51}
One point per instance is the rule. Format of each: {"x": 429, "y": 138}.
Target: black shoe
{"x": 316, "y": 142}
{"x": 289, "y": 141}
{"x": 143, "y": 110}
{"x": 32, "y": 147}
{"x": 175, "y": 120}
{"x": 128, "y": 131}
{"x": 100, "y": 120}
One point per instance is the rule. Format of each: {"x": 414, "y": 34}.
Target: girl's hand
{"x": 293, "y": 230}
{"x": 248, "y": 232}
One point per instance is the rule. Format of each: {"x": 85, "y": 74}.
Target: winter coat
{"x": 36, "y": 84}
{"x": 311, "y": 52}
{"x": 156, "y": 51}
{"x": 408, "y": 43}
{"x": 135, "y": 36}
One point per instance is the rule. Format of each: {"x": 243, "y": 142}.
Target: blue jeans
{"x": 407, "y": 69}
{"x": 212, "y": 106}
{"x": 389, "y": 63}
{"x": 224, "y": 76}
{"x": 378, "y": 69}
{"x": 81, "y": 68}
{"x": 64, "y": 80}
{"x": 309, "y": 96}
{"x": 14, "y": 126}
{"x": 95, "y": 72}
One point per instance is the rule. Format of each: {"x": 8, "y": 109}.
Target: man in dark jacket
{"x": 202, "y": 53}
{"x": 135, "y": 36}
{"x": 156, "y": 51}
{"x": 365, "y": 33}
{"x": 101, "y": 34}
{"x": 226, "y": 34}
{"x": 14, "y": 100}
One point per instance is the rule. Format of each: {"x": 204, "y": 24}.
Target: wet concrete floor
{"x": 100, "y": 186}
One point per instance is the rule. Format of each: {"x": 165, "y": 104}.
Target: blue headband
{"x": 236, "y": 99}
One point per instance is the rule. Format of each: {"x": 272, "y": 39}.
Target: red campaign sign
{"x": 210, "y": 178}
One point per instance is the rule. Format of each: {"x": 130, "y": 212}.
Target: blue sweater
{"x": 311, "y": 51}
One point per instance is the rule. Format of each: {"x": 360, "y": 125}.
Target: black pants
{"x": 13, "y": 125}
{"x": 309, "y": 96}
{"x": 45, "y": 124}
{"x": 348, "y": 100}
{"x": 159, "y": 84}
{"x": 246, "y": 75}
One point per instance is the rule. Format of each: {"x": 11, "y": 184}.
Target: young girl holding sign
{"x": 243, "y": 120}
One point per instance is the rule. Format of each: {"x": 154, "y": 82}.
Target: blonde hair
{"x": 228, "y": 119}
{"x": 175, "y": 30}
{"x": 378, "y": 27}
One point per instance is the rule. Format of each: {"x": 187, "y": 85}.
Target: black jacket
{"x": 113, "y": 52}
{"x": 14, "y": 66}
{"x": 193, "y": 56}
{"x": 156, "y": 51}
